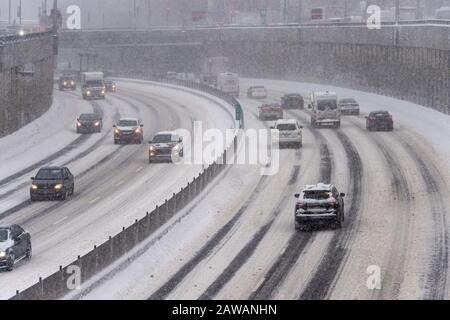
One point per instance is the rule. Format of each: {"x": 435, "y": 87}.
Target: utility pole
{"x": 20, "y": 12}
{"x": 397, "y": 11}
{"x": 300, "y": 11}
{"x": 9, "y": 12}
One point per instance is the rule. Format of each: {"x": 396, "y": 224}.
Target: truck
{"x": 324, "y": 109}
{"x": 211, "y": 68}
{"x": 228, "y": 82}
{"x": 92, "y": 85}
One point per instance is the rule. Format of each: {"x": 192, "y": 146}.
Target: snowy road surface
{"x": 114, "y": 185}
{"x": 238, "y": 241}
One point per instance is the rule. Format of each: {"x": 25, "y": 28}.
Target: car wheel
{"x": 72, "y": 190}
{"x": 29, "y": 253}
{"x": 11, "y": 262}
{"x": 32, "y": 199}
{"x": 63, "y": 195}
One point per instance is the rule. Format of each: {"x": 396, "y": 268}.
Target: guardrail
{"x": 280, "y": 25}
{"x": 16, "y": 38}
{"x": 56, "y": 285}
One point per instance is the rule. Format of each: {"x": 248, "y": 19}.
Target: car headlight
{"x": 58, "y": 186}
{"x": 177, "y": 147}
{"x": 3, "y": 254}
{"x": 103, "y": 91}
{"x": 78, "y": 124}
{"x": 34, "y": 187}
{"x": 117, "y": 131}
{"x": 65, "y": 83}
{"x": 97, "y": 123}
{"x": 88, "y": 93}
{"x": 152, "y": 148}
{"x": 72, "y": 83}
{"x": 137, "y": 130}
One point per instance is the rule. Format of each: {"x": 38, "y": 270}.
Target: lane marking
{"x": 139, "y": 169}
{"x": 259, "y": 284}
{"x": 60, "y": 220}
{"x": 121, "y": 182}
{"x": 94, "y": 200}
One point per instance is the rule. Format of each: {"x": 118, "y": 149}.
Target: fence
{"x": 56, "y": 285}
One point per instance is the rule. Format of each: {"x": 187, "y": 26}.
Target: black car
{"x": 89, "y": 122}
{"x": 110, "y": 86}
{"x": 292, "y": 101}
{"x": 319, "y": 204}
{"x": 52, "y": 183}
{"x": 15, "y": 245}
{"x": 379, "y": 120}
{"x": 67, "y": 82}
{"x": 349, "y": 106}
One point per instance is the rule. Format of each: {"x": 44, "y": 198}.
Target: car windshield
{"x": 108, "y": 82}
{"x": 348, "y": 101}
{"x": 88, "y": 116}
{"x": 3, "y": 235}
{"x": 326, "y": 104}
{"x": 317, "y": 195}
{"x": 287, "y": 127}
{"x": 49, "y": 174}
{"x": 162, "y": 138}
{"x": 128, "y": 123}
{"x": 94, "y": 83}
{"x": 380, "y": 114}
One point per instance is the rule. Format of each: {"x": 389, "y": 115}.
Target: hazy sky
{"x": 29, "y": 9}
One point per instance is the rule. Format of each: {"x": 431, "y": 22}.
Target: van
{"x": 325, "y": 110}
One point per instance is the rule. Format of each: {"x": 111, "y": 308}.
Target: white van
{"x": 325, "y": 110}
{"x": 229, "y": 83}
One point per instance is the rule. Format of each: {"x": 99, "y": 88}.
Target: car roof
{"x": 286, "y": 121}
{"x": 347, "y": 99}
{"x": 90, "y": 114}
{"x": 166, "y": 133}
{"x": 52, "y": 168}
{"x": 292, "y": 95}
{"x": 318, "y": 187}
{"x": 257, "y": 87}
{"x": 380, "y": 111}
{"x": 128, "y": 119}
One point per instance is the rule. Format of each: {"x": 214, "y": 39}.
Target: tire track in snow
{"x": 297, "y": 243}
{"x": 246, "y": 252}
{"x": 327, "y": 271}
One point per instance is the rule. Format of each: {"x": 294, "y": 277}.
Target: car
{"x": 52, "y": 183}
{"x": 89, "y": 122}
{"x": 290, "y": 132}
{"x": 257, "y": 92}
{"x": 319, "y": 204}
{"x": 324, "y": 109}
{"x": 110, "y": 86}
{"x": 165, "y": 146}
{"x": 15, "y": 246}
{"x": 270, "y": 111}
{"x": 66, "y": 82}
{"x": 349, "y": 106}
{"x": 292, "y": 101}
{"x": 379, "y": 120}
{"x": 128, "y": 130}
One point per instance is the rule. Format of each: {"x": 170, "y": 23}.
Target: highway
{"x": 239, "y": 242}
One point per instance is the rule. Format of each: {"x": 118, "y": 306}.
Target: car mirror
{"x": 141, "y": 125}
{"x": 32, "y": 178}
{"x": 114, "y": 126}
{"x": 297, "y": 195}
{"x": 150, "y": 142}
{"x": 301, "y": 127}
{"x": 272, "y": 127}
{"x": 180, "y": 140}
{"x": 342, "y": 195}
{"x": 309, "y": 106}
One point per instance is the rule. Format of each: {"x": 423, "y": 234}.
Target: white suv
{"x": 290, "y": 132}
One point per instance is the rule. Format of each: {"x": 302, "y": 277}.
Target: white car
{"x": 165, "y": 146}
{"x": 257, "y": 92}
{"x": 128, "y": 130}
{"x": 290, "y": 132}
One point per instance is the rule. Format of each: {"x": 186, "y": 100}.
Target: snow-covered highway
{"x": 114, "y": 184}
{"x": 237, "y": 241}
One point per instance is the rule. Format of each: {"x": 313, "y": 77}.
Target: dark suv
{"x": 379, "y": 120}
{"x": 15, "y": 245}
{"x": 67, "y": 82}
{"x": 89, "y": 122}
{"x": 52, "y": 183}
{"x": 320, "y": 204}
{"x": 292, "y": 101}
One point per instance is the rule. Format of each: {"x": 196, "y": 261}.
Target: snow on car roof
{"x": 318, "y": 187}
{"x": 286, "y": 121}
{"x": 128, "y": 119}
{"x": 166, "y": 133}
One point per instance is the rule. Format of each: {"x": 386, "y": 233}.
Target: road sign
{"x": 238, "y": 110}
{"x": 263, "y": 16}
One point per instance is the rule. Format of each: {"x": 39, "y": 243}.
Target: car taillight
{"x": 332, "y": 202}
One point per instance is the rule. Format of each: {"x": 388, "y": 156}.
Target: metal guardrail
{"x": 275, "y": 25}
{"x": 55, "y": 286}
{"x": 16, "y": 38}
